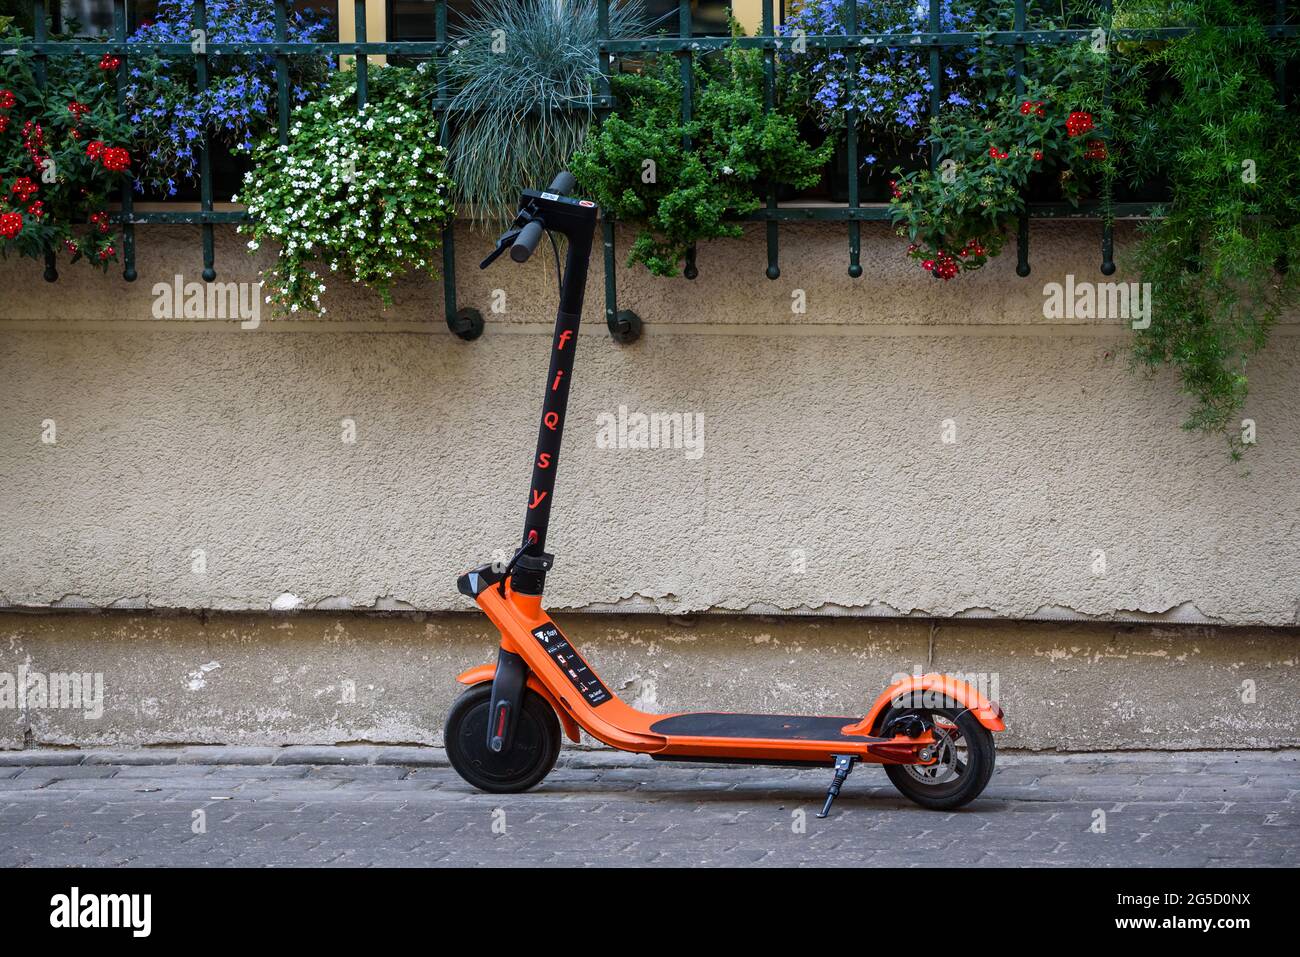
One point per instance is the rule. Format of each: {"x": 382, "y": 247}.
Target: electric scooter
{"x": 932, "y": 733}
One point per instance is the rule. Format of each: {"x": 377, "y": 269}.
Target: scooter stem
{"x": 555, "y": 401}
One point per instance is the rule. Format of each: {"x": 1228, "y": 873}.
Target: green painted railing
{"x": 623, "y": 325}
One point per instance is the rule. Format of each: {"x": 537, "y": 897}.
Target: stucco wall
{"x": 822, "y": 446}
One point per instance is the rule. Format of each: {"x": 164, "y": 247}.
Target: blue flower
{"x": 238, "y": 104}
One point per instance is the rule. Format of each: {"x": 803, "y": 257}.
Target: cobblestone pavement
{"x": 405, "y": 806}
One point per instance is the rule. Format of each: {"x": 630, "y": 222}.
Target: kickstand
{"x": 843, "y": 767}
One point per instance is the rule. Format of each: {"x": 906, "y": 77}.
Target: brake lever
{"x": 522, "y": 219}
{"x": 502, "y": 245}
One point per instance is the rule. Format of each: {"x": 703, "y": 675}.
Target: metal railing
{"x": 467, "y": 322}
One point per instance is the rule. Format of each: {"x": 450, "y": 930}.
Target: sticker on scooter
{"x": 571, "y": 663}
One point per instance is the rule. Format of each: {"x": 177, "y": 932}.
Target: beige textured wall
{"x": 822, "y": 434}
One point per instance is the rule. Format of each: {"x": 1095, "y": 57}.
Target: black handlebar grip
{"x": 526, "y": 243}
{"x": 563, "y": 183}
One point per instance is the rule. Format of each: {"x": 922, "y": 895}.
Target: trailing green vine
{"x": 636, "y": 168}
{"x": 1203, "y": 112}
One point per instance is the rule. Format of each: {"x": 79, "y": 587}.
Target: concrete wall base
{"x": 249, "y": 679}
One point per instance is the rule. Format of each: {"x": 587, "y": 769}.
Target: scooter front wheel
{"x": 531, "y": 755}
{"x": 963, "y": 764}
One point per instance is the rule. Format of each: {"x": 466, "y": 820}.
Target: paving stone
{"x": 369, "y": 805}
{"x": 325, "y": 755}
{"x": 413, "y": 757}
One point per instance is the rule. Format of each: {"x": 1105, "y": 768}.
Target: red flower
{"x": 4, "y": 122}
{"x": 115, "y": 159}
{"x": 7, "y": 99}
{"x": 1078, "y": 123}
{"x": 109, "y": 62}
{"x": 1096, "y": 150}
{"x": 37, "y": 208}
{"x": 24, "y": 188}
{"x": 11, "y": 224}
{"x": 78, "y": 109}
{"x": 100, "y": 220}
{"x": 1038, "y": 155}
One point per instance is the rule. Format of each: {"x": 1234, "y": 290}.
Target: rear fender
{"x": 931, "y": 691}
{"x": 487, "y": 672}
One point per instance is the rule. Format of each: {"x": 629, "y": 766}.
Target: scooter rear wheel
{"x": 531, "y": 755}
{"x": 964, "y": 764}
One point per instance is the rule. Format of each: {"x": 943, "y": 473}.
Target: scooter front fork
{"x": 507, "y": 699}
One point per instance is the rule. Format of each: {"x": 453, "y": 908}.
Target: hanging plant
{"x": 170, "y": 114}
{"x": 957, "y": 216}
{"x": 358, "y": 193}
{"x": 638, "y": 170}
{"x": 61, "y": 157}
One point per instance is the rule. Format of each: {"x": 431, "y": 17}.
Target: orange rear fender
{"x": 483, "y": 673}
{"x": 932, "y": 691}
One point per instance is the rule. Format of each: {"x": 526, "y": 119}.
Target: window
{"x": 95, "y": 17}
{"x": 415, "y": 19}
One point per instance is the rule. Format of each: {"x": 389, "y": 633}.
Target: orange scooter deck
{"x": 759, "y": 738}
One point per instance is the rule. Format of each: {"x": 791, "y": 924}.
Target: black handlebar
{"x": 525, "y": 243}
{"x": 524, "y": 239}
{"x": 563, "y": 183}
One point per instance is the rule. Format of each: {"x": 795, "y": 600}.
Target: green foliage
{"x": 522, "y": 75}
{"x": 50, "y": 186}
{"x": 1202, "y": 111}
{"x": 956, "y": 218}
{"x": 362, "y": 192}
{"x": 636, "y": 168}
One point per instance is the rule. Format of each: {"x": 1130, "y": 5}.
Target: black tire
{"x": 964, "y": 768}
{"x": 530, "y": 758}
